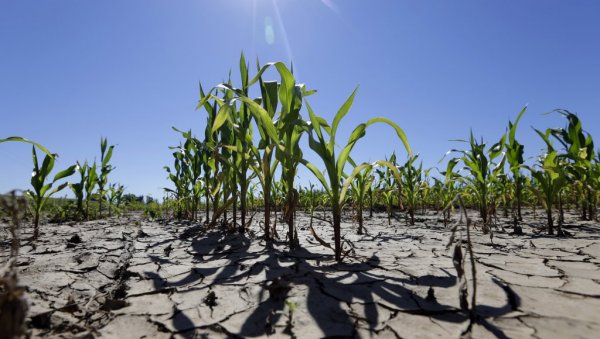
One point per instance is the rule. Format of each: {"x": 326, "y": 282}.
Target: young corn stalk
{"x": 334, "y": 164}
{"x": 551, "y": 179}
{"x": 596, "y": 183}
{"x": 90, "y": 183}
{"x": 280, "y": 132}
{"x": 226, "y": 174}
{"x": 192, "y": 152}
{"x": 219, "y": 158}
{"x": 277, "y": 200}
{"x": 181, "y": 180}
{"x": 458, "y": 259}
{"x": 388, "y": 185}
{"x": 479, "y": 163}
{"x": 42, "y": 191}
{"x": 425, "y": 192}
{"x": 514, "y": 156}
{"x": 209, "y": 165}
{"x": 447, "y": 190}
{"x": 114, "y": 197}
{"x": 105, "y": 169}
{"x": 580, "y": 153}
{"x": 411, "y": 184}
{"x": 79, "y": 188}
{"x": 309, "y": 199}
{"x": 244, "y": 141}
{"x": 290, "y": 128}
{"x": 360, "y": 186}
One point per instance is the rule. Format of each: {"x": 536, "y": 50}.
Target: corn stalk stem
{"x": 472, "y": 311}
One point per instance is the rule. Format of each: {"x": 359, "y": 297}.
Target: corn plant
{"x": 310, "y": 200}
{"x": 79, "y": 188}
{"x": 389, "y": 186}
{"x": 227, "y": 157}
{"x": 225, "y": 173}
{"x": 90, "y": 183}
{"x": 373, "y": 193}
{"x": 551, "y": 179}
{"x": 105, "y": 169}
{"x": 580, "y": 153}
{"x": 446, "y": 189}
{"x": 243, "y": 142}
{"x": 412, "y": 181}
{"x": 277, "y": 201}
{"x": 503, "y": 191}
{"x": 514, "y": 156}
{"x": 289, "y": 128}
{"x": 334, "y": 164}
{"x": 280, "y": 132}
{"x": 114, "y": 197}
{"x": 42, "y": 191}
{"x": 458, "y": 259}
{"x": 479, "y": 163}
{"x": 180, "y": 180}
{"x": 208, "y": 162}
{"x": 219, "y": 162}
{"x": 595, "y": 178}
{"x": 189, "y": 186}
{"x": 360, "y": 186}
{"x": 425, "y": 192}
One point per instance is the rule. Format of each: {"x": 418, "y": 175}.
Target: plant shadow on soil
{"x": 337, "y": 295}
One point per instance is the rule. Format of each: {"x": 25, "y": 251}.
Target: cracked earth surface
{"x": 133, "y": 278}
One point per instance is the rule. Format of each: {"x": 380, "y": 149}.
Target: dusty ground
{"x": 130, "y": 278}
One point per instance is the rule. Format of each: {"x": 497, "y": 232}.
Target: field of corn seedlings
{"x": 490, "y": 246}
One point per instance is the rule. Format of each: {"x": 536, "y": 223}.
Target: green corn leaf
{"x": 47, "y": 166}
{"x": 54, "y": 191}
{"x": 546, "y": 138}
{"x": 35, "y": 159}
{"x": 220, "y": 118}
{"x": 108, "y": 156}
{"x": 269, "y": 89}
{"x": 44, "y": 189}
{"x": 497, "y": 148}
{"x": 243, "y": 71}
{"x": 20, "y": 139}
{"x": 338, "y": 117}
{"x": 350, "y": 179}
{"x": 103, "y": 143}
{"x": 513, "y": 127}
{"x": 315, "y": 122}
{"x": 66, "y": 173}
{"x": 287, "y": 88}
{"x": 263, "y": 118}
{"x": 399, "y": 131}
{"x": 358, "y": 133}
{"x": 204, "y": 99}
{"x": 318, "y": 174}
{"x": 261, "y": 70}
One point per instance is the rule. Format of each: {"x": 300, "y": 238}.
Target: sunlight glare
{"x": 330, "y": 5}
{"x": 269, "y": 32}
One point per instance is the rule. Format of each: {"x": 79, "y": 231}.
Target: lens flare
{"x": 269, "y": 32}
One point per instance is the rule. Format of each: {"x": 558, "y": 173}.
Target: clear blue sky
{"x": 73, "y": 71}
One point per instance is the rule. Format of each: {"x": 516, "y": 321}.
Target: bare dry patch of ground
{"x": 131, "y": 278}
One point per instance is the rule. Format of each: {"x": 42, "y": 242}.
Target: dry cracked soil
{"x": 133, "y": 278}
